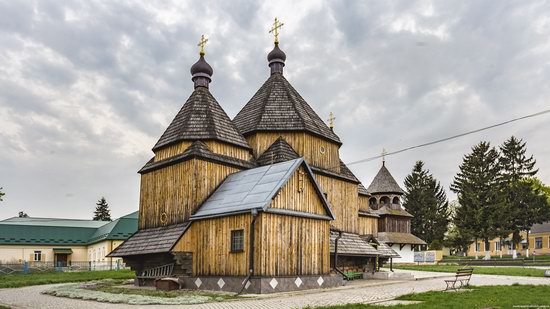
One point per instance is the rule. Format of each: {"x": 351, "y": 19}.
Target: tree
{"x": 1, "y": 194}
{"x": 426, "y": 200}
{"x": 477, "y": 188}
{"x": 526, "y": 203}
{"x": 102, "y": 212}
{"x": 23, "y": 214}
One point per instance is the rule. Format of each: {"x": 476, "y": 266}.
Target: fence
{"x": 37, "y": 267}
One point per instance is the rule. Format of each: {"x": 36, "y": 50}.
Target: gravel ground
{"x": 360, "y": 291}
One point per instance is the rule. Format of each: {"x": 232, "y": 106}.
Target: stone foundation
{"x": 261, "y": 285}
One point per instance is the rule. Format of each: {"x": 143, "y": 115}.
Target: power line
{"x": 450, "y": 137}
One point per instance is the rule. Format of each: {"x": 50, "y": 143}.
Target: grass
{"x": 20, "y": 280}
{"x": 474, "y": 297}
{"x": 480, "y": 270}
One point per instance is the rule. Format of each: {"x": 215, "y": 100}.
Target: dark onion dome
{"x": 276, "y": 54}
{"x": 202, "y": 67}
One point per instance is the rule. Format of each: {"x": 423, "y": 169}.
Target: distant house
{"x": 63, "y": 241}
{"x": 539, "y": 243}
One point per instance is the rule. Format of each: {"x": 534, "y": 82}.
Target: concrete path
{"x": 360, "y": 291}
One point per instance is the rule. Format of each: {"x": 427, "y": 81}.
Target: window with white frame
{"x": 498, "y": 246}
{"x": 478, "y": 247}
{"x": 38, "y": 255}
{"x": 538, "y": 243}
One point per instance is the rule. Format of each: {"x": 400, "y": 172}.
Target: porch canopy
{"x": 62, "y": 251}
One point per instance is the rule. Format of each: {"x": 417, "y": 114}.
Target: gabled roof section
{"x": 279, "y": 151}
{"x": 120, "y": 229}
{"x": 199, "y": 150}
{"x": 384, "y": 182}
{"x": 153, "y": 240}
{"x": 59, "y": 232}
{"x": 350, "y": 244}
{"x": 201, "y": 118}
{"x": 277, "y": 106}
{"x": 255, "y": 189}
{"x": 362, "y": 190}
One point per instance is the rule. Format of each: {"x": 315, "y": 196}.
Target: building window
{"x": 538, "y": 243}
{"x": 498, "y": 246}
{"x": 478, "y": 245}
{"x": 38, "y": 255}
{"x": 237, "y": 241}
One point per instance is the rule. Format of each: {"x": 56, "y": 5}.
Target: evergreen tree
{"x": 477, "y": 187}
{"x": 426, "y": 200}
{"x": 102, "y": 212}
{"x": 23, "y": 214}
{"x": 526, "y": 203}
{"x": 1, "y": 194}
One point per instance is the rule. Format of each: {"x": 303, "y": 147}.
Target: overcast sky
{"x": 87, "y": 88}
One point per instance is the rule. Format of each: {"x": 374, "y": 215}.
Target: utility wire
{"x": 450, "y": 137}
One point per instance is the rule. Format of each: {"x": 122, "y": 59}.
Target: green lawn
{"x": 480, "y": 270}
{"x": 475, "y": 297}
{"x": 19, "y": 280}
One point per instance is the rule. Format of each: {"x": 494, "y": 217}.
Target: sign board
{"x": 547, "y": 273}
{"x": 419, "y": 257}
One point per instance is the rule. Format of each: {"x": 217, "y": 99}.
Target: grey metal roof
{"x": 351, "y": 244}
{"x": 255, "y": 188}
{"x": 384, "y": 182}
{"x": 277, "y": 106}
{"x": 541, "y": 228}
{"x": 201, "y": 118}
{"x": 153, "y": 240}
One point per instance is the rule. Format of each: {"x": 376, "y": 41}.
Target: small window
{"x": 498, "y": 246}
{"x": 478, "y": 247}
{"x": 322, "y": 150}
{"x": 38, "y": 255}
{"x": 237, "y": 241}
{"x": 538, "y": 243}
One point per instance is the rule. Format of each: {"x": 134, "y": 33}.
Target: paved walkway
{"x": 360, "y": 291}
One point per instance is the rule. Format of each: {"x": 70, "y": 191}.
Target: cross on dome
{"x": 275, "y": 29}
{"x": 201, "y": 44}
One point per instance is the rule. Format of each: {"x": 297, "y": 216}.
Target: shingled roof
{"x": 201, "y": 118}
{"x": 277, "y": 106}
{"x": 279, "y": 151}
{"x": 351, "y": 244}
{"x": 384, "y": 182}
{"x": 200, "y": 150}
{"x": 153, "y": 240}
{"x": 399, "y": 238}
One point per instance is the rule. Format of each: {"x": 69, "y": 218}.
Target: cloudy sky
{"x": 86, "y": 88}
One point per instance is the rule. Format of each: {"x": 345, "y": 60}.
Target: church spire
{"x": 201, "y": 71}
{"x": 276, "y": 57}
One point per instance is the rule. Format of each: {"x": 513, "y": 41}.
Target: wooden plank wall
{"x": 214, "y": 146}
{"x": 299, "y": 194}
{"x": 343, "y": 198}
{"x": 367, "y": 225}
{"x": 394, "y": 224}
{"x": 305, "y": 144}
{"x": 287, "y": 246}
{"x": 363, "y": 202}
{"x": 178, "y": 190}
{"x": 210, "y": 242}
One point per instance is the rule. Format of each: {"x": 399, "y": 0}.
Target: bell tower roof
{"x": 384, "y": 182}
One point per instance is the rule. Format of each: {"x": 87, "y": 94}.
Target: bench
{"x": 156, "y": 272}
{"x": 350, "y": 275}
{"x": 462, "y": 277}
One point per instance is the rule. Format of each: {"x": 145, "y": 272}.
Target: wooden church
{"x": 258, "y": 204}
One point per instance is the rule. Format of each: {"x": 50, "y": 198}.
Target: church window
{"x": 237, "y": 241}
{"x": 322, "y": 150}
{"x": 396, "y": 200}
{"x": 384, "y": 200}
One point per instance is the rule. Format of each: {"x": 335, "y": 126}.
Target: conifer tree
{"x": 525, "y": 203}
{"x": 426, "y": 200}
{"x": 1, "y": 194}
{"x": 477, "y": 187}
{"x": 23, "y": 214}
{"x": 102, "y": 212}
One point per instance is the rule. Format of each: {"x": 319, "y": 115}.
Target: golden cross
{"x": 331, "y": 120}
{"x": 384, "y": 153}
{"x": 202, "y": 42}
{"x": 275, "y": 30}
